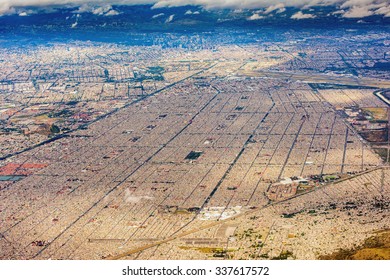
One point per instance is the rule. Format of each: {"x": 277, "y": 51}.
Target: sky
{"x": 261, "y": 8}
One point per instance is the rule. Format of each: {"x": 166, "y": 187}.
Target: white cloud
{"x": 158, "y": 15}
{"x": 26, "y": 12}
{"x": 358, "y": 12}
{"x": 255, "y": 17}
{"x": 85, "y": 8}
{"x": 279, "y": 8}
{"x": 383, "y": 11}
{"x": 74, "y": 25}
{"x": 170, "y": 18}
{"x": 353, "y": 8}
{"x": 300, "y": 15}
{"x": 104, "y": 10}
{"x": 101, "y": 10}
{"x": 189, "y": 12}
{"x": 339, "y": 12}
{"x": 112, "y": 13}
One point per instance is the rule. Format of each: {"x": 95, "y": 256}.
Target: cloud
{"x": 385, "y": 11}
{"x": 189, "y": 12}
{"x": 365, "y": 8}
{"x": 279, "y": 8}
{"x": 300, "y": 15}
{"x": 358, "y": 12}
{"x": 339, "y": 12}
{"x": 101, "y": 10}
{"x": 26, "y": 12}
{"x": 112, "y": 13}
{"x": 85, "y": 8}
{"x": 352, "y": 8}
{"x": 255, "y": 17}
{"x": 104, "y": 10}
{"x": 170, "y": 18}
{"x": 158, "y": 15}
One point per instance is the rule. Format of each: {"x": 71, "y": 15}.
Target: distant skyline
{"x": 260, "y": 8}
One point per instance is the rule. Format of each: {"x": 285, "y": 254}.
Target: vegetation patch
{"x": 376, "y": 247}
{"x": 283, "y": 255}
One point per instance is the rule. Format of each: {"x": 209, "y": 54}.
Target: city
{"x": 214, "y": 150}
